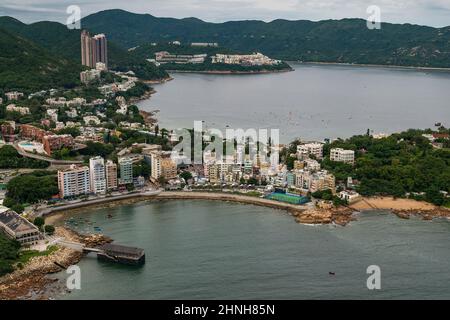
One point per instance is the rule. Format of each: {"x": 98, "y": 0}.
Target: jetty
{"x": 110, "y": 252}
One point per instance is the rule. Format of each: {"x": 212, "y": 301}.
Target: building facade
{"x": 341, "y": 155}
{"x": 97, "y": 175}
{"x": 126, "y": 170}
{"x": 111, "y": 175}
{"x": 93, "y": 49}
{"x": 18, "y": 228}
{"x": 74, "y": 181}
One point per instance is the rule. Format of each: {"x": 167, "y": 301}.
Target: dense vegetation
{"x": 10, "y": 158}
{"x": 402, "y": 163}
{"x": 9, "y": 252}
{"x": 345, "y": 41}
{"x": 26, "y": 66}
{"x": 222, "y": 67}
{"x": 32, "y": 187}
{"x": 62, "y": 42}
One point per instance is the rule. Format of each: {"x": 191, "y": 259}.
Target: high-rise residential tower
{"x": 93, "y": 49}
{"x": 111, "y": 175}
{"x": 126, "y": 170}
{"x": 97, "y": 175}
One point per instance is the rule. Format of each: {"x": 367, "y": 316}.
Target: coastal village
{"x": 101, "y": 148}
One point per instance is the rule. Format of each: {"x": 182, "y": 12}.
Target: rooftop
{"x": 15, "y": 222}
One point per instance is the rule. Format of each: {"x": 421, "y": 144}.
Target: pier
{"x": 110, "y": 252}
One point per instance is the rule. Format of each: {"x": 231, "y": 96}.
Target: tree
{"x": 49, "y": 229}
{"x": 39, "y": 222}
{"x": 162, "y": 180}
{"x": 186, "y": 175}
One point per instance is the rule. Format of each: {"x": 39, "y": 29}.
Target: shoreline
{"x": 346, "y": 64}
{"x": 34, "y": 282}
{"x": 218, "y": 72}
{"x": 307, "y": 214}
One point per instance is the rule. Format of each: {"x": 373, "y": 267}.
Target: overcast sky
{"x": 425, "y": 12}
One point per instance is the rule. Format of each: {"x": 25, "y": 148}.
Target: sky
{"x": 434, "y": 13}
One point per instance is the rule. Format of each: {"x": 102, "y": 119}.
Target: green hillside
{"x": 29, "y": 67}
{"x": 344, "y": 41}
{"x": 61, "y": 41}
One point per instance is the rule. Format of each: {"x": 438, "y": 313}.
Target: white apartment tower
{"x": 97, "y": 175}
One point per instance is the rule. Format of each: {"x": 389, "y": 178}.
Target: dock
{"x": 121, "y": 254}
{"x": 110, "y": 252}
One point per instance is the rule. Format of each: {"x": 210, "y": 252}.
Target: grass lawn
{"x": 26, "y": 255}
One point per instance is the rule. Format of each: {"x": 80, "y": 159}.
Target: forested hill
{"x": 25, "y": 65}
{"x": 61, "y": 42}
{"x": 344, "y": 41}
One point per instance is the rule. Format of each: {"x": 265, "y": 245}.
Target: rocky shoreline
{"x": 424, "y": 214}
{"x": 33, "y": 281}
{"x": 340, "y": 216}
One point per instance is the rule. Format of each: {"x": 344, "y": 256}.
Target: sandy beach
{"x": 390, "y": 203}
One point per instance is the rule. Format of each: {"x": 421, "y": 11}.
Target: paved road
{"x": 44, "y": 158}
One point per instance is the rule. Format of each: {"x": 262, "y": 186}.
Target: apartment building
{"x": 57, "y": 142}
{"x": 93, "y": 49}
{"x": 74, "y": 181}
{"x": 97, "y": 175}
{"x": 163, "y": 165}
{"x": 126, "y": 170}
{"x": 111, "y": 175}
{"x": 341, "y": 155}
{"x": 314, "y": 181}
{"x": 307, "y": 149}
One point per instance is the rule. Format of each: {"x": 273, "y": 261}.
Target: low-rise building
{"x": 18, "y": 228}
{"x": 13, "y": 95}
{"x": 57, "y": 142}
{"x": 89, "y": 75}
{"x": 341, "y": 155}
{"x": 91, "y": 120}
{"x": 307, "y": 149}
{"x": 349, "y": 196}
{"x": 14, "y": 108}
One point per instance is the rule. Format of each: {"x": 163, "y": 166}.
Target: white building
{"x": 308, "y": 149}
{"x": 349, "y": 196}
{"x": 14, "y": 108}
{"x": 89, "y": 75}
{"x": 341, "y": 155}
{"x": 13, "y": 95}
{"x": 53, "y": 114}
{"x": 97, "y": 175}
{"x": 91, "y": 120}
{"x": 74, "y": 181}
